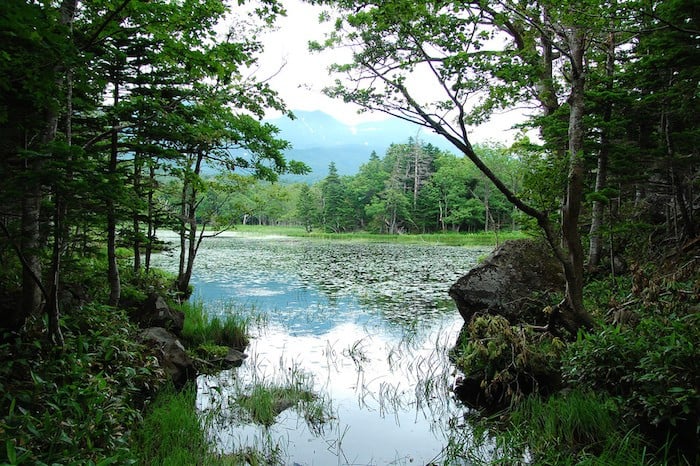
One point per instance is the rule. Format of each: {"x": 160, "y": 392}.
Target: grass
{"x": 262, "y": 402}
{"x": 578, "y": 427}
{"x": 446, "y": 238}
{"x": 202, "y": 329}
{"x": 173, "y": 432}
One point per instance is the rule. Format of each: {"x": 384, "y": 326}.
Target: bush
{"x": 509, "y": 361}
{"x": 649, "y": 360}
{"x": 654, "y": 367}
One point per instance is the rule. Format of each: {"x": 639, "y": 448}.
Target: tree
{"x": 505, "y": 54}
{"x": 336, "y": 214}
{"x": 306, "y": 208}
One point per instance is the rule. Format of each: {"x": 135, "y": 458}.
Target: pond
{"x": 367, "y": 327}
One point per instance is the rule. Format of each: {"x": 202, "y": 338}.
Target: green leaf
{"x": 11, "y": 452}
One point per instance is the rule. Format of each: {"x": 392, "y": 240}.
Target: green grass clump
{"x": 264, "y": 402}
{"x": 203, "y": 329}
{"x": 578, "y": 427}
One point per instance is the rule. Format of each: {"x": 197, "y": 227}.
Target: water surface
{"x": 367, "y": 325}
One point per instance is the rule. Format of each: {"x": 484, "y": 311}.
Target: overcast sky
{"x": 301, "y": 80}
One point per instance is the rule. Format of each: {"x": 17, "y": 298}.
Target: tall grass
{"x": 172, "y": 433}
{"x": 574, "y": 428}
{"x": 201, "y": 328}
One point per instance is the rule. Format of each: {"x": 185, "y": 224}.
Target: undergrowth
{"x": 75, "y": 405}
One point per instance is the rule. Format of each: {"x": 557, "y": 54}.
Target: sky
{"x": 304, "y": 74}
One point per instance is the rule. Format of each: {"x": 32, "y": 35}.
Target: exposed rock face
{"x": 509, "y": 283}
{"x": 155, "y": 312}
{"x": 234, "y": 357}
{"x": 171, "y": 354}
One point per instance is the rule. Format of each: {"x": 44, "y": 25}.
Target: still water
{"x": 367, "y": 327}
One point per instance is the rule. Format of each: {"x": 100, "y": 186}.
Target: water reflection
{"x": 368, "y": 324}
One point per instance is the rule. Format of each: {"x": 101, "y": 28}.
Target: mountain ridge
{"x": 318, "y": 139}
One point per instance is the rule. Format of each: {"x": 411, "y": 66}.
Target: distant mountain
{"x": 318, "y": 139}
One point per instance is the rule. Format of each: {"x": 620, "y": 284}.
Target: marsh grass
{"x": 202, "y": 329}
{"x": 573, "y": 428}
{"x": 174, "y": 432}
{"x": 264, "y": 403}
{"x": 446, "y": 238}
{"x": 265, "y": 400}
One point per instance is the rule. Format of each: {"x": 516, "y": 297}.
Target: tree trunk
{"x": 112, "y": 265}
{"x": 30, "y": 247}
{"x": 151, "y": 230}
{"x": 595, "y": 236}
{"x": 189, "y": 239}
{"x": 135, "y": 214}
{"x": 574, "y": 315}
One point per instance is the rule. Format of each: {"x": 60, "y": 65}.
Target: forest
{"x": 123, "y": 118}
{"x": 413, "y": 188}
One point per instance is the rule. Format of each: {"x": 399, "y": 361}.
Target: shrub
{"x": 650, "y": 361}
{"x": 509, "y": 361}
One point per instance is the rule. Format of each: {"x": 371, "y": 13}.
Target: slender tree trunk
{"x": 112, "y": 265}
{"x": 52, "y": 302}
{"x": 150, "y": 217}
{"x": 595, "y": 236}
{"x": 135, "y": 214}
{"x": 189, "y": 239}
{"x": 486, "y": 206}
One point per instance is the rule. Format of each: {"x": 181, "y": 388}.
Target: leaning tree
{"x": 481, "y": 57}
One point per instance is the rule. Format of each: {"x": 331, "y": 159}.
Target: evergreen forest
{"x": 120, "y": 119}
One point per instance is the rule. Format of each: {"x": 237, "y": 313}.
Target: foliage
{"x": 75, "y": 406}
{"x": 653, "y": 369}
{"x": 508, "y": 361}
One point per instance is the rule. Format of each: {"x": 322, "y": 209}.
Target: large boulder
{"x": 155, "y": 312}
{"x": 171, "y": 354}
{"x": 512, "y": 282}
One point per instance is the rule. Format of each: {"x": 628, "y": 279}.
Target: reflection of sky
{"x": 312, "y": 286}
{"x": 370, "y": 324}
{"x": 390, "y": 397}
{"x": 299, "y": 308}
